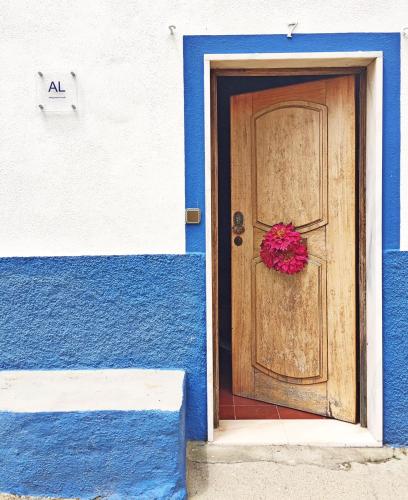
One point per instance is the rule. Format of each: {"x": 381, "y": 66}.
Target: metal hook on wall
{"x": 291, "y": 29}
{"x": 172, "y": 28}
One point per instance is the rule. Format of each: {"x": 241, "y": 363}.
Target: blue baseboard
{"x": 114, "y": 455}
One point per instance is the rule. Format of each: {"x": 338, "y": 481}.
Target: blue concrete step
{"x": 118, "y": 434}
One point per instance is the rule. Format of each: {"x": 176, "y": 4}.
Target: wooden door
{"x": 293, "y": 160}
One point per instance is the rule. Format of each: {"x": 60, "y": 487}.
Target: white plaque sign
{"x": 57, "y": 92}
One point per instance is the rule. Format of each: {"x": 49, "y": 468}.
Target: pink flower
{"x": 292, "y": 260}
{"x": 267, "y": 256}
{"x": 281, "y": 236}
{"x": 282, "y": 249}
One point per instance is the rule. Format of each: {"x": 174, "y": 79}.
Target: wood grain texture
{"x": 290, "y": 339}
{"x": 214, "y": 246}
{"x": 362, "y": 269}
{"x": 242, "y": 369}
{"x": 312, "y": 397}
{"x": 286, "y": 137}
{"x": 341, "y": 239}
{"x": 311, "y": 92}
{"x": 277, "y": 356}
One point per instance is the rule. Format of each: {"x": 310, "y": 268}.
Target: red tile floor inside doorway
{"x": 238, "y": 408}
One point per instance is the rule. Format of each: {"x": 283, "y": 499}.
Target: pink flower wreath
{"x": 282, "y": 249}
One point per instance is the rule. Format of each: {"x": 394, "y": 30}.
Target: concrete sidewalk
{"x": 296, "y": 473}
{"x": 292, "y": 473}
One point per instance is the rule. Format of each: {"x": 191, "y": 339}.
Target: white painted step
{"x": 33, "y": 391}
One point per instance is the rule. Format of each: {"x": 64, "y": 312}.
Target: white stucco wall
{"x": 109, "y": 179}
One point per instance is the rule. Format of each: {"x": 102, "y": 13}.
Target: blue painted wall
{"x": 108, "y": 312}
{"x": 112, "y": 454}
{"x": 196, "y": 46}
{"x": 395, "y": 311}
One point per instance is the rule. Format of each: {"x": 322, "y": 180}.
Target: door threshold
{"x": 293, "y": 432}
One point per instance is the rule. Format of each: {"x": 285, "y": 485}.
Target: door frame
{"x": 370, "y": 67}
